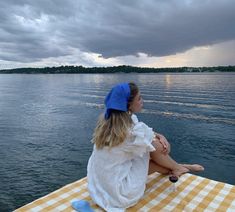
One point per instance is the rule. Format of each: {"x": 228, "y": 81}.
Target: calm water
{"x": 46, "y": 123}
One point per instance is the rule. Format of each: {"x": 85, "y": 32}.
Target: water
{"x": 46, "y": 123}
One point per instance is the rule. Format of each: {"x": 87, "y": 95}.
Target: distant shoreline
{"x": 115, "y": 69}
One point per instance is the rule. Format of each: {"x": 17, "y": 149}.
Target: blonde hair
{"x": 114, "y": 130}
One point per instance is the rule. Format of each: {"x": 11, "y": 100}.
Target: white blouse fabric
{"x": 117, "y": 176}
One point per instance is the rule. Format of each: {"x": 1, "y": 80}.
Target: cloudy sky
{"x": 147, "y": 33}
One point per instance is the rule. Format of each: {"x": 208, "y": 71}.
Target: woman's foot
{"x": 193, "y": 167}
{"x": 180, "y": 170}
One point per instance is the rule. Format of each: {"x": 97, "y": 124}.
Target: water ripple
{"x": 208, "y": 106}
{"x": 191, "y": 116}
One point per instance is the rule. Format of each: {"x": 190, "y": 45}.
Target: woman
{"x": 126, "y": 151}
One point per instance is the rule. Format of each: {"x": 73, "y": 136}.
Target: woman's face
{"x": 137, "y": 104}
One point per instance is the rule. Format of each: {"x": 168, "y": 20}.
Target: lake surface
{"x": 47, "y": 121}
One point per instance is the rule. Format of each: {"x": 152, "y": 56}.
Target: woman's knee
{"x": 157, "y": 145}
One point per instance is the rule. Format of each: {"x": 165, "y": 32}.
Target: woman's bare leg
{"x": 193, "y": 167}
{"x": 153, "y": 167}
{"x": 165, "y": 161}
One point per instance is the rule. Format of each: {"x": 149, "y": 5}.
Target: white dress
{"x": 117, "y": 176}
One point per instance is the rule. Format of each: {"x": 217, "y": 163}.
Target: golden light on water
{"x": 168, "y": 80}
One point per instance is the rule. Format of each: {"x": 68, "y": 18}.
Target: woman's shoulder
{"x": 134, "y": 119}
{"x": 136, "y": 122}
{"x": 138, "y": 126}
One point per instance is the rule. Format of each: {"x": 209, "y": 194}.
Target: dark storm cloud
{"x": 32, "y": 30}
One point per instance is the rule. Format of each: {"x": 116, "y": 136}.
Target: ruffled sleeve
{"x": 140, "y": 139}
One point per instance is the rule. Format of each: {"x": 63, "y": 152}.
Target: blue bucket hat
{"x": 117, "y": 99}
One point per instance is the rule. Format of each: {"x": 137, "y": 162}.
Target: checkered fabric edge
{"x": 193, "y": 193}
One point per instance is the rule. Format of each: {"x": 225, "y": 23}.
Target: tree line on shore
{"x": 113, "y": 69}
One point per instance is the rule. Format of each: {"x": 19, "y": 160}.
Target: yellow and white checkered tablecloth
{"x": 193, "y": 193}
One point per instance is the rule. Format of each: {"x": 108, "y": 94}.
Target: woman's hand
{"x": 164, "y": 142}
